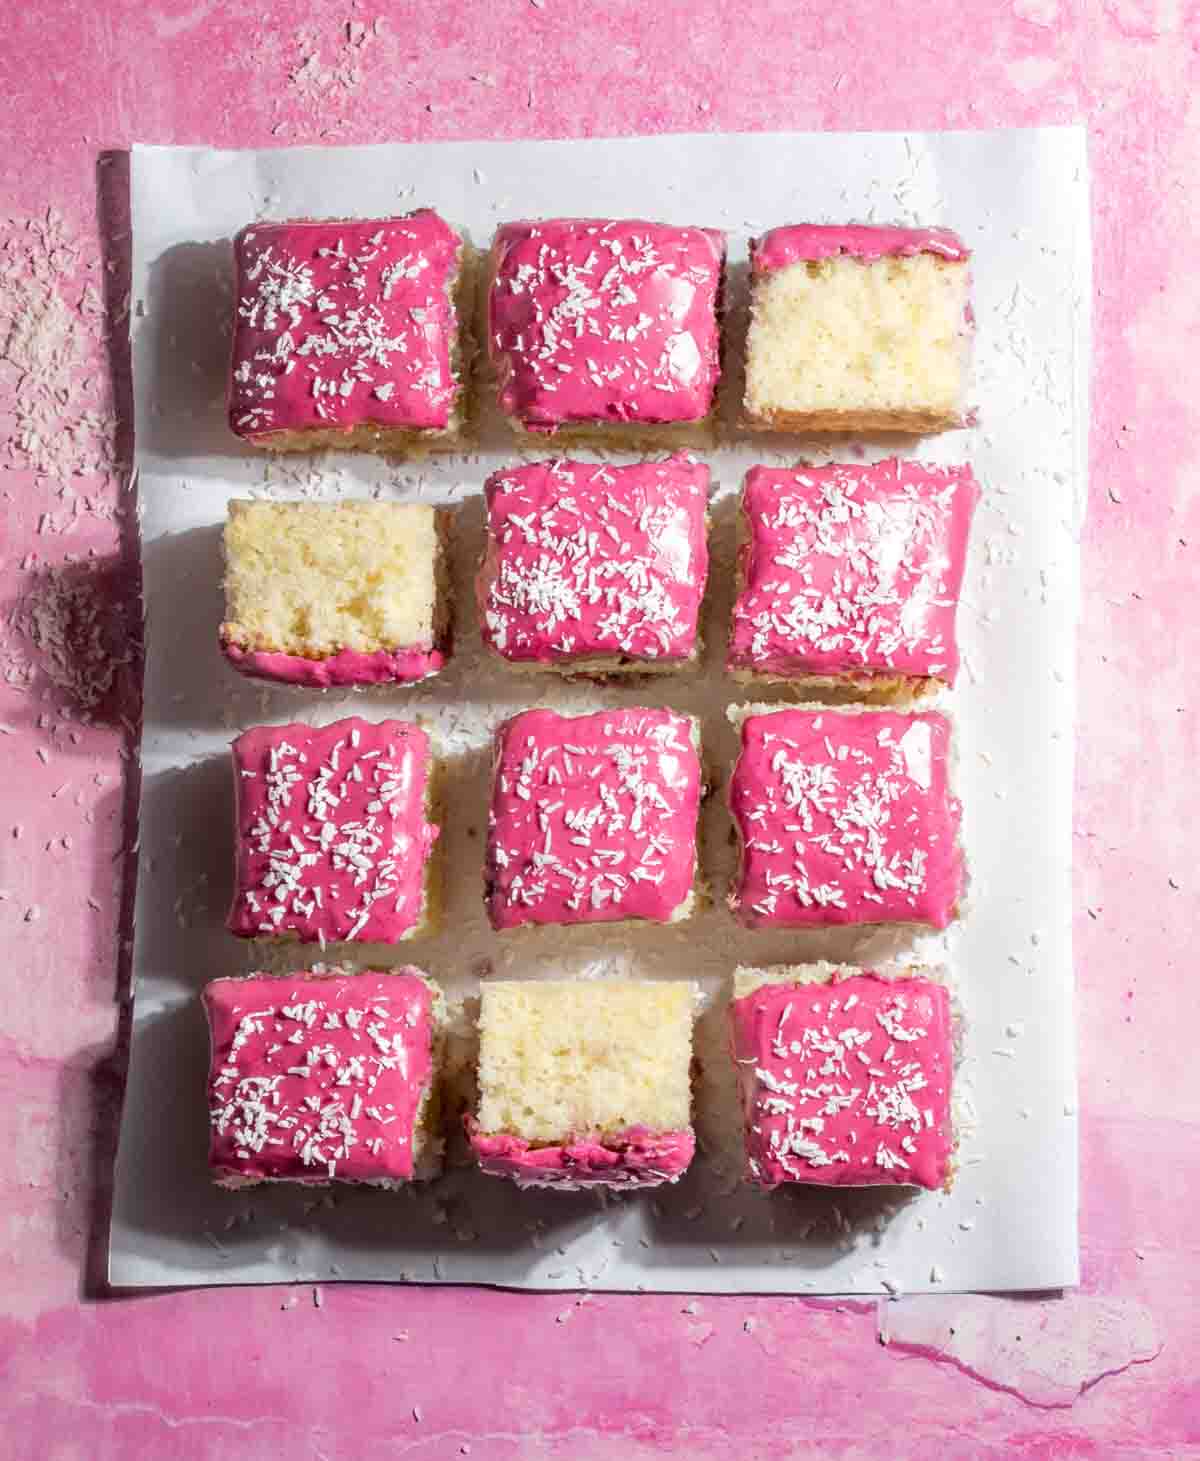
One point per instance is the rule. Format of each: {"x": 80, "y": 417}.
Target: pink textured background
{"x": 1109, "y": 1373}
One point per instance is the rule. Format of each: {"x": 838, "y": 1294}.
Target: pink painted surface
{"x": 377, "y": 1372}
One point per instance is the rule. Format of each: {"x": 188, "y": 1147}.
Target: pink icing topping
{"x": 853, "y": 569}
{"x": 343, "y": 323}
{"x": 587, "y": 560}
{"x": 347, "y": 667}
{"x": 637, "y": 1157}
{"x": 332, "y": 839}
{"x": 846, "y": 1084}
{"x": 605, "y": 321}
{"x": 845, "y": 818}
{"x": 810, "y": 242}
{"x": 593, "y": 817}
{"x": 316, "y": 1078}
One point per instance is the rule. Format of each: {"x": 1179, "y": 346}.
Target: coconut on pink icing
{"x": 637, "y": 1157}
{"x": 593, "y": 817}
{"x": 343, "y": 323}
{"x": 845, "y": 818}
{"x": 605, "y": 321}
{"x": 846, "y": 1083}
{"x": 852, "y": 570}
{"x": 317, "y": 1078}
{"x": 587, "y": 560}
{"x": 346, "y": 667}
{"x": 331, "y": 834}
{"x": 811, "y": 242}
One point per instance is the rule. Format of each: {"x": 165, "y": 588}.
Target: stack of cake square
{"x": 361, "y": 334}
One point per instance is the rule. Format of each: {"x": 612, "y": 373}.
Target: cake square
{"x": 321, "y": 1078}
{"x": 849, "y": 576}
{"x": 593, "y": 818}
{"x": 595, "y": 569}
{"x": 347, "y": 593}
{"x": 585, "y": 1083}
{"x": 858, "y": 329}
{"x": 844, "y": 817}
{"x": 347, "y": 334}
{"x": 845, "y": 1076}
{"x": 333, "y": 832}
{"x": 608, "y": 329}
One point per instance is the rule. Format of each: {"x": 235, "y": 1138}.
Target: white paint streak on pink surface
{"x": 1047, "y": 1352}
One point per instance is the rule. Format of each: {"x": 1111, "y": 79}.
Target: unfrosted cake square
{"x": 844, "y": 817}
{"x": 347, "y": 593}
{"x": 585, "y": 1084}
{"x": 320, "y": 1078}
{"x": 849, "y": 576}
{"x": 858, "y": 329}
{"x": 347, "y": 333}
{"x": 333, "y": 832}
{"x": 845, "y": 1075}
{"x": 593, "y": 818}
{"x": 595, "y": 569}
{"x": 607, "y": 329}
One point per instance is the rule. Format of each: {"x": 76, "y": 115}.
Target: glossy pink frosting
{"x": 343, "y": 323}
{"x": 845, "y": 818}
{"x": 605, "y": 321}
{"x": 846, "y": 1084}
{"x": 591, "y": 560}
{"x": 811, "y": 242}
{"x": 637, "y": 1157}
{"x": 317, "y": 1078}
{"x": 593, "y": 817}
{"x": 332, "y": 839}
{"x": 347, "y": 667}
{"x": 852, "y": 570}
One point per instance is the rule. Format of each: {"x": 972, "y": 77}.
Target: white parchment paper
{"x": 1020, "y": 200}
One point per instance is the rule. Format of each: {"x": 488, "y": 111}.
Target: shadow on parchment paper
{"x": 193, "y": 686}
{"x": 190, "y": 685}
{"x": 189, "y": 303}
{"x": 187, "y": 876}
{"x": 711, "y": 1207}
{"x": 173, "y": 1213}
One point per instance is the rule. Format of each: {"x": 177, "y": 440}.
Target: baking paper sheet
{"x": 1020, "y": 200}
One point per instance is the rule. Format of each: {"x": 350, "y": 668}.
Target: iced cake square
{"x": 595, "y": 569}
{"x": 585, "y": 1084}
{"x": 844, "y": 817}
{"x": 858, "y": 329}
{"x": 608, "y": 329}
{"x": 346, "y": 593}
{"x": 321, "y": 1078}
{"x": 347, "y": 334}
{"x": 845, "y": 1076}
{"x": 849, "y": 576}
{"x": 333, "y": 832}
{"x": 593, "y": 818}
